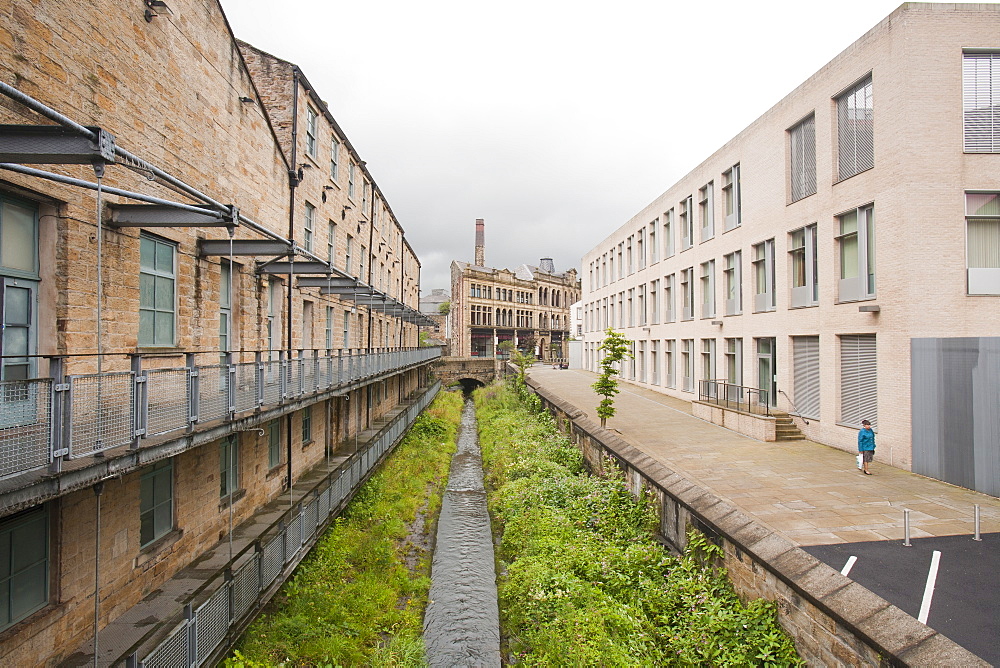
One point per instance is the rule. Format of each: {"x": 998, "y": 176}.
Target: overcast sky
{"x": 554, "y": 121}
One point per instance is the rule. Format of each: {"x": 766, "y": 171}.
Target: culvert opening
{"x": 470, "y": 384}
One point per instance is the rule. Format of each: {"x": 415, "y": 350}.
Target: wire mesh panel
{"x": 323, "y": 507}
{"x": 294, "y": 374}
{"x": 102, "y": 412}
{"x": 272, "y": 383}
{"x": 213, "y": 392}
{"x": 172, "y": 652}
{"x": 293, "y": 538}
{"x": 246, "y": 586}
{"x": 309, "y": 375}
{"x": 272, "y": 560}
{"x": 246, "y": 386}
{"x": 312, "y": 518}
{"x": 25, "y": 425}
{"x": 169, "y": 391}
{"x": 213, "y": 621}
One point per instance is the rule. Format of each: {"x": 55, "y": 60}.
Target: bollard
{"x": 977, "y": 536}
{"x": 906, "y": 527}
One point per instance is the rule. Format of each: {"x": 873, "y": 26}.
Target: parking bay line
{"x": 925, "y": 605}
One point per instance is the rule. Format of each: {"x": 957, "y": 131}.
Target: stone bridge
{"x": 470, "y": 372}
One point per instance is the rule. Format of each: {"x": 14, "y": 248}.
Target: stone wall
{"x": 832, "y": 619}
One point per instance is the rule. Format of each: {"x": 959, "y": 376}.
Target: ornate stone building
{"x": 529, "y": 305}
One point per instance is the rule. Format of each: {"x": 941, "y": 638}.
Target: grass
{"x": 583, "y": 581}
{"x": 359, "y": 597}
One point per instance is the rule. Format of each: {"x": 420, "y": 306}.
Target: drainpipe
{"x": 293, "y": 181}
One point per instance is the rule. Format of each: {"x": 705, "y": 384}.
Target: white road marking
{"x": 849, "y": 565}
{"x": 925, "y": 606}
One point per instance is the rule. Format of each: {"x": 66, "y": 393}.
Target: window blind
{"x": 802, "y": 139}
{"x": 855, "y": 130}
{"x": 858, "y": 380}
{"x": 805, "y": 351}
{"x": 981, "y": 102}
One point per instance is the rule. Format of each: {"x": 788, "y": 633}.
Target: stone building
{"x": 529, "y": 306}
{"x": 207, "y": 298}
{"x": 431, "y": 306}
{"x": 839, "y": 259}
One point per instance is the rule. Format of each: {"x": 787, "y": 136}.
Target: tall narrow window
{"x": 734, "y": 283}
{"x": 641, "y": 362}
{"x": 24, "y": 565}
{"x": 669, "y": 315}
{"x": 763, "y": 269}
{"x": 981, "y": 102}
{"x": 858, "y": 380}
{"x": 311, "y": 131}
{"x": 621, "y": 260}
{"x": 328, "y": 339}
{"x": 802, "y": 159}
{"x": 308, "y": 224}
{"x": 857, "y": 254}
{"x": 706, "y": 210}
{"x": 273, "y": 316}
{"x": 331, "y": 242}
{"x": 982, "y": 229}
{"x": 687, "y": 364}
{"x": 708, "y": 361}
{"x": 687, "y": 289}
{"x": 855, "y": 130}
{"x": 157, "y": 297}
{"x": 686, "y": 217}
{"x": 225, "y": 307}
{"x": 273, "y": 443}
{"x": 734, "y": 363}
{"x": 306, "y": 425}
{"x": 641, "y": 248}
{"x": 18, "y": 289}
{"x": 802, "y": 249}
{"x": 806, "y": 381}
{"x": 669, "y": 357}
{"x": 654, "y": 362}
{"x": 654, "y": 251}
{"x": 228, "y": 466}
{"x": 654, "y": 302}
{"x": 156, "y": 501}
{"x": 334, "y": 159}
{"x": 642, "y": 305}
{"x": 731, "y": 197}
{"x": 630, "y": 255}
{"x": 631, "y": 307}
{"x": 708, "y": 289}
{"x": 347, "y": 328}
{"x": 350, "y": 180}
{"x": 348, "y": 251}
{"x": 668, "y": 233}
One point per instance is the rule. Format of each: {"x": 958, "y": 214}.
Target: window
{"x": 802, "y": 159}
{"x": 347, "y": 328}
{"x": 805, "y": 375}
{"x": 687, "y": 289}
{"x": 18, "y": 289}
{"x": 654, "y": 251}
{"x": 855, "y": 130}
{"x": 229, "y": 459}
{"x": 621, "y": 309}
{"x": 708, "y": 289}
{"x": 708, "y": 360}
{"x": 642, "y": 305}
{"x": 669, "y": 315}
{"x": 361, "y": 262}
{"x": 334, "y": 159}
{"x": 331, "y": 242}
{"x": 654, "y": 362}
{"x": 654, "y": 303}
{"x": 668, "y": 234}
{"x": 24, "y": 565}
{"x": 669, "y": 354}
{"x": 307, "y": 224}
{"x": 858, "y": 380}
{"x": 687, "y": 223}
{"x": 687, "y": 364}
{"x": 981, "y": 102}
{"x": 350, "y": 180}
{"x": 273, "y": 315}
{"x": 157, "y": 299}
{"x": 982, "y": 229}
{"x": 365, "y": 190}
{"x": 630, "y": 255}
{"x": 225, "y": 306}
{"x": 706, "y": 210}
{"x": 641, "y": 248}
{"x": 641, "y": 362}
{"x": 631, "y": 307}
{"x": 273, "y": 443}
{"x": 621, "y": 264}
{"x": 310, "y": 131}
{"x": 734, "y": 282}
{"x": 734, "y": 363}
{"x": 731, "y": 197}
{"x": 348, "y": 250}
{"x": 763, "y": 269}
{"x": 328, "y": 339}
{"x": 156, "y": 501}
{"x": 857, "y": 254}
{"x": 307, "y": 324}
{"x": 307, "y": 432}
{"x": 802, "y": 249}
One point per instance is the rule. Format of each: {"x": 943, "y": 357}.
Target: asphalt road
{"x": 965, "y": 604}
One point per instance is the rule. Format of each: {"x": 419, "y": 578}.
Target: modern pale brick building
{"x": 839, "y": 259}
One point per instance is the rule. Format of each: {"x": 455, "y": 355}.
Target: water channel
{"x": 462, "y": 622}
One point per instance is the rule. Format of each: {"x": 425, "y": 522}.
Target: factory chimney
{"x": 480, "y": 243}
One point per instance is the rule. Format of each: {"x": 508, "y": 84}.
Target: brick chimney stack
{"x": 480, "y": 243}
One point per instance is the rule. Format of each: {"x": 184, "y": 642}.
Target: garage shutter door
{"x": 805, "y": 350}
{"x": 858, "y": 380}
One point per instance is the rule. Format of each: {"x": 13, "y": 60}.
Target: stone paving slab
{"x": 810, "y": 493}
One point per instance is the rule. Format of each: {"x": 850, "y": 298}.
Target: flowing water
{"x": 462, "y": 623}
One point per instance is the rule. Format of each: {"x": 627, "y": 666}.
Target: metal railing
{"x": 736, "y": 397}
{"x": 46, "y": 420}
{"x": 236, "y": 591}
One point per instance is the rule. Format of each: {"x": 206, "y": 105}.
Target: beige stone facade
{"x": 180, "y": 92}
{"x": 808, "y": 254}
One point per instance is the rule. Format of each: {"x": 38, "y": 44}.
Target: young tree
{"x": 521, "y": 360}
{"x": 616, "y": 349}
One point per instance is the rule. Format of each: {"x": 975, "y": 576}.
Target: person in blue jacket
{"x": 866, "y": 445}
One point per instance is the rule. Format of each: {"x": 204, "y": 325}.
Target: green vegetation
{"x": 583, "y": 582}
{"x": 616, "y": 350}
{"x": 359, "y": 597}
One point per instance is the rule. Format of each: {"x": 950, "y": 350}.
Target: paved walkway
{"x": 810, "y": 493}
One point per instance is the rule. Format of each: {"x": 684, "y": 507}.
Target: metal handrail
{"x": 791, "y": 403}
{"x": 734, "y": 396}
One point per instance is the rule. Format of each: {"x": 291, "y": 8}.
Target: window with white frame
{"x": 654, "y": 302}
{"x": 763, "y": 269}
{"x": 311, "y": 131}
{"x": 855, "y": 130}
{"x": 687, "y": 290}
{"x": 734, "y": 364}
{"x": 641, "y": 305}
{"x": 630, "y": 255}
{"x": 708, "y": 364}
{"x": 856, "y": 247}
{"x": 668, "y": 233}
{"x": 621, "y": 309}
{"x": 225, "y": 306}
{"x": 708, "y": 289}
{"x": 654, "y": 251}
{"x": 331, "y": 242}
{"x": 631, "y": 307}
{"x": 157, "y": 291}
{"x": 733, "y": 272}
{"x": 669, "y": 356}
{"x": 686, "y": 218}
{"x": 640, "y": 248}
{"x": 334, "y": 159}
{"x": 156, "y": 501}
{"x": 802, "y": 159}
{"x": 982, "y": 238}
{"x": 641, "y": 361}
{"x": 706, "y": 210}
{"x": 732, "y": 197}
{"x": 347, "y": 329}
{"x": 273, "y": 316}
{"x": 19, "y": 282}
{"x": 669, "y": 315}
{"x": 621, "y": 260}
{"x": 350, "y": 180}
{"x": 24, "y": 565}
{"x": 328, "y": 338}
{"x": 308, "y": 224}
{"x": 803, "y": 252}
{"x": 981, "y": 101}
{"x": 348, "y": 252}
{"x": 687, "y": 364}
{"x": 654, "y": 362}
